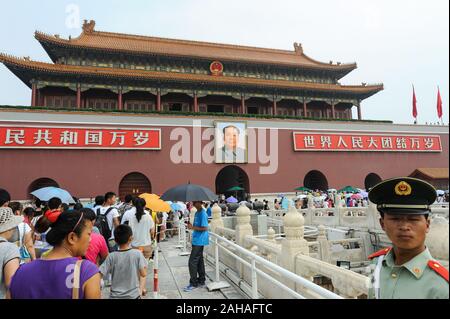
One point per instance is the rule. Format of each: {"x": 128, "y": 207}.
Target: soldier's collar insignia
{"x": 403, "y": 189}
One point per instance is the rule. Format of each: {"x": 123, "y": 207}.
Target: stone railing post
{"x": 323, "y": 244}
{"x": 271, "y": 235}
{"x": 374, "y": 215}
{"x": 243, "y": 228}
{"x": 217, "y": 220}
{"x": 294, "y": 243}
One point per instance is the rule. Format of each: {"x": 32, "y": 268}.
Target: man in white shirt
{"x": 112, "y": 216}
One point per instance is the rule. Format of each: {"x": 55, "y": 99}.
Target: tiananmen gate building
{"x": 116, "y": 111}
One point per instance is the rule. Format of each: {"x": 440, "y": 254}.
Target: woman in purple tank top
{"x": 53, "y": 276}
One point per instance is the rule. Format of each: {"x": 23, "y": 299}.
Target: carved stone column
{"x": 271, "y": 235}
{"x": 243, "y": 228}
{"x": 294, "y": 243}
{"x": 217, "y": 220}
{"x": 323, "y": 244}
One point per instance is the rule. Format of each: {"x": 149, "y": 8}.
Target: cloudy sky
{"x": 396, "y": 42}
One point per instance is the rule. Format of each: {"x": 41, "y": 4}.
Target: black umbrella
{"x": 189, "y": 193}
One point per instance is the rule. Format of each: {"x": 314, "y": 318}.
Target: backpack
{"x": 102, "y": 223}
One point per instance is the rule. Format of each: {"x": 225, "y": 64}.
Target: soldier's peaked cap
{"x": 403, "y": 195}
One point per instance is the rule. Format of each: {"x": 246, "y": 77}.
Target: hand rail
{"x": 277, "y": 269}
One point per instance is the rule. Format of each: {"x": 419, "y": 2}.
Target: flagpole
{"x": 414, "y": 105}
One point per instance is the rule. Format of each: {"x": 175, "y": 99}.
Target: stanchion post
{"x": 155, "y": 271}
{"x": 180, "y": 240}
{"x": 184, "y": 251}
{"x": 216, "y": 254}
{"x": 216, "y": 285}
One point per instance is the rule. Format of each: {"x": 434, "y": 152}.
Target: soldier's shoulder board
{"x": 380, "y": 253}
{"x": 439, "y": 269}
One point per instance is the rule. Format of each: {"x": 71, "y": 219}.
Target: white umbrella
{"x": 47, "y": 193}
{"x": 183, "y": 205}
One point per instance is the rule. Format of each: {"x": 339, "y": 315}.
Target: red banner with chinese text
{"x": 366, "y": 142}
{"x": 79, "y": 138}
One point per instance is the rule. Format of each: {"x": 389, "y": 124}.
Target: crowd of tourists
{"x": 51, "y": 250}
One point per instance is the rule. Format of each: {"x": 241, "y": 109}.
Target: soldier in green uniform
{"x": 406, "y": 270}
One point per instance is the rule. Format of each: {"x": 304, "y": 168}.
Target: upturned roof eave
{"x": 342, "y": 69}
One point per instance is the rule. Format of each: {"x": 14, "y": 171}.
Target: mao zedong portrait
{"x": 230, "y": 151}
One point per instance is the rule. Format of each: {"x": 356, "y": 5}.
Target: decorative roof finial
{"x": 298, "y": 48}
{"x": 88, "y": 27}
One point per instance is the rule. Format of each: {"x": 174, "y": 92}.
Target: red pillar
{"x": 359, "y": 112}
{"x": 33, "y": 94}
{"x": 274, "y": 109}
{"x": 242, "y": 105}
{"x": 333, "y": 114}
{"x": 158, "y": 100}
{"x": 304, "y": 108}
{"x": 78, "y": 96}
{"x": 196, "y": 109}
{"x": 120, "y": 100}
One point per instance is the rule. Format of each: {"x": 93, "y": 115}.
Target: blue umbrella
{"x": 176, "y": 207}
{"x": 47, "y": 193}
{"x": 285, "y": 202}
{"x": 231, "y": 199}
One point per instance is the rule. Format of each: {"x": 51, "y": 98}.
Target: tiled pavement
{"x": 173, "y": 275}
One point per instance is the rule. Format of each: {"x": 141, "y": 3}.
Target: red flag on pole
{"x": 439, "y": 104}
{"x": 414, "y": 102}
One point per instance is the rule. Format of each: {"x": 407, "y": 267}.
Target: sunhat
{"x": 8, "y": 220}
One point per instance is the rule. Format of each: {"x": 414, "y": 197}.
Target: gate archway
{"x": 134, "y": 184}
{"x": 41, "y": 183}
{"x": 231, "y": 176}
{"x": 316, "y": 180}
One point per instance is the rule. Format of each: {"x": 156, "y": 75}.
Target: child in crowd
{"x": 126, "y": 266}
